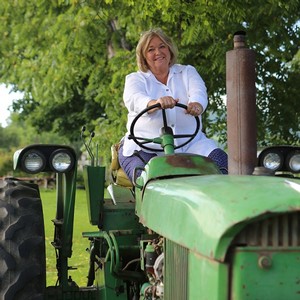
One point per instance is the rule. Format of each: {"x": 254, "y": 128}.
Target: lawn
{"x": 80, "y": 257}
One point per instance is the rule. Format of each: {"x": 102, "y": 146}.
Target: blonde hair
{"x": 144, "y": 42}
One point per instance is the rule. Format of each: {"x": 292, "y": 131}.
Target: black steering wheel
{"x": 141, "y": 141}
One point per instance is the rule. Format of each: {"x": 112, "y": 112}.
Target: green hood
{"x": 204, "y": 213}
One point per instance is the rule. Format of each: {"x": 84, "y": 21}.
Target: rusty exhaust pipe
{"x": 241, "y": 107}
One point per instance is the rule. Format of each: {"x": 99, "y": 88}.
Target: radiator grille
{"x": 278, "y": 231}
{"x": 176, "y": 270}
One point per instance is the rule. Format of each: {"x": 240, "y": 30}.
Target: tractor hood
{"x": 214, "y": 207}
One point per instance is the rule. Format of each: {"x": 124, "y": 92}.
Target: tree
{"x": 70, "y": 59}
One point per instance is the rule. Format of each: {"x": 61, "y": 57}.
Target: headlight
{"x": 293, "y": 161}
{"x": 282, "y": 160}
{"x": 61, "y": 161}
{"x": 272, "y": 161}
{"x": 33, "y": 162}
{"x": 45, "y": 158}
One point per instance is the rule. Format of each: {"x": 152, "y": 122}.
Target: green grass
{"x": 80, "y": 257}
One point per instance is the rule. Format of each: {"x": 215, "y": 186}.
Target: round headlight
{"x": 33, "y": 162}
{"x": 294, "y": 162}
{"x": 61, "y": 161}
{"x": 272, "y": 161}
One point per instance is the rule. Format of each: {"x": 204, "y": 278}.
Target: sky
{"x": 6, "y": 99}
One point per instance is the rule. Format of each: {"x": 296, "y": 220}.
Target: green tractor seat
{"x": 119, "y": 177}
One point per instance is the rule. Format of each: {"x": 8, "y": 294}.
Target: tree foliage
{"x": 70, "y": 59}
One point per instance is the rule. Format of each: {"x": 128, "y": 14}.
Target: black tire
{"x": 22, "y": 242}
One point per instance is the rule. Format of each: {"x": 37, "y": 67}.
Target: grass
{"x": 80, "y": 257}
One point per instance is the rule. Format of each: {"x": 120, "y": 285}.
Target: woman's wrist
{"x": 150, "y": 103}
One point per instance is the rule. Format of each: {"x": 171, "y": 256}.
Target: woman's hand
{"x": 194, "y": 109}
{"x": 165, "y": 102}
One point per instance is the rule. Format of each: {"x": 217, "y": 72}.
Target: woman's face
{"x": 158, "y": 56}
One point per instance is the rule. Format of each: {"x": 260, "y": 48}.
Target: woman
{"x": 161, "y": 80}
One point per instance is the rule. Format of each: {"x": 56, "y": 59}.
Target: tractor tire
{"x": 22, "y": 242}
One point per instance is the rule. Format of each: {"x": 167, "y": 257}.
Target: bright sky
{"x": 6, "y": 99}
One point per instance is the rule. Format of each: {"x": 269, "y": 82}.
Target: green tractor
{"x": 180, "y": 231}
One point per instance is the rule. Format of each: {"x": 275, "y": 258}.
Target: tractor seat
{"x": 119, "y": 177}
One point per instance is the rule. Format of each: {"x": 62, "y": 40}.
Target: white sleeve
{"x": 196, "y": 87}
{"x": 135, "y": 95}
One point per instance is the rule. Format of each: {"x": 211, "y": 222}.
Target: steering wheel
{"x": 141, "y": 141}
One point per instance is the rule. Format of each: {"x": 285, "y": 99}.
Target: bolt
{"x": 264, "y": 262}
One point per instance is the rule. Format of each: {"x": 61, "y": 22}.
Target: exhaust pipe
{"x": 241, "y": 107}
